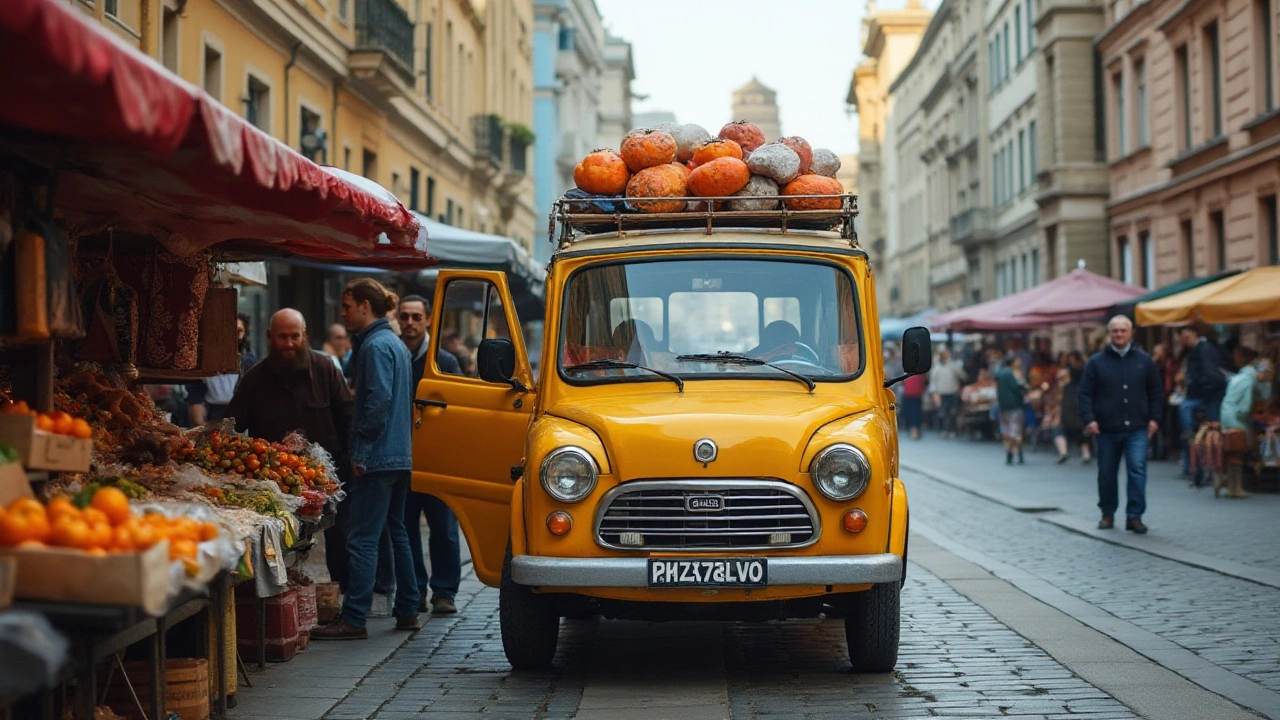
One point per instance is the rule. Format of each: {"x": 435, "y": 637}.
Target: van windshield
{"x": 796, "y": 314}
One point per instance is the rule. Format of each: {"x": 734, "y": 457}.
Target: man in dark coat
{"x": 1121, "y": 401}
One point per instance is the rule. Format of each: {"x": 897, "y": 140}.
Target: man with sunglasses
{"x": 414, "y": 316}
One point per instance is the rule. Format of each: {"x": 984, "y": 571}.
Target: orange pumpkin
{"x": 749, "y": 136}
{"x": 801, "y": 146}
{"x": 813, "y": 185}
{"x": 648, "y": 148}
{"x": 602, "y": 172}
{"x": 716, "y": 148}
{"x": 662, "y": 181}
{"x": 720, "y": 177}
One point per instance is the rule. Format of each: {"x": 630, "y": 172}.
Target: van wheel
{"x": 871, "y": 630}
{"x": 530, "y": 623}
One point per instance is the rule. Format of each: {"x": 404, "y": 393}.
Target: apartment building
{"x": 757, "y": 103}
{"x": 1192, "y": 137}
{"x": 569, "y": 66}
{"x": 890, "y": 39}
{"x": 615, "y": 92}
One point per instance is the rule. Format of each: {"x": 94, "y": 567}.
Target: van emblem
{"x": 704, "y": 503}
{"x": 704, "y": 451}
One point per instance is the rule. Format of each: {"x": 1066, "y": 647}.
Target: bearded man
{"x": 297, "y": 388}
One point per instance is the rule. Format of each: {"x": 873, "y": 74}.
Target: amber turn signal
{"x": 559, "y": 522}
{"x": 855, "y": 521}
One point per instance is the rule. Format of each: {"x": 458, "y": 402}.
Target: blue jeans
{"x": 1110, "y": 447}
{"x": 949, "y": 409}
{"x": 446, "y": 551}
{"x": 338, "y": 559}
{"x": 377, "y": 501}
{"x": 912, "y": 412}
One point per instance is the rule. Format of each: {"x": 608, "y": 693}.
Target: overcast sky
{"x": 690, "y": 55}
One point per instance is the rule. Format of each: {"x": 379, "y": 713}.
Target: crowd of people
{"x": 354, "y": 397}
{"x": 1197, "y": 399}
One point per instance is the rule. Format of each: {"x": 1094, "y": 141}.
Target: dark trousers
{"x": 1132, "y": 446}
{"x": 338, "y": 560}
{"x": 949, "y": 409}
{"x": 912, "y": 411}
{"x": 442, "y": 543}
{"x": 377, "y": 502}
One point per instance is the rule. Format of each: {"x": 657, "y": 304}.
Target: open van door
{"x": 469, "y": 428}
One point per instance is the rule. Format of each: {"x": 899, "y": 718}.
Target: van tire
{"x": 530, "y": 623}
{"x": 872, "y": 629}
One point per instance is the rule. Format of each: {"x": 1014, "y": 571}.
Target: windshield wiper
{"x": 622, "y": 365}
{"x": 729, "y": 358}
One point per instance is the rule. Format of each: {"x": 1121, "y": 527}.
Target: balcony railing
{"x": 972, "y": 225}
{"x": 519, "y": 151}
{"x": 489, "y": 135}
{"x": 384, "y": 25}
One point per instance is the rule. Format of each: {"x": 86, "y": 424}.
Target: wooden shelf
{"x": 150, "y": 376}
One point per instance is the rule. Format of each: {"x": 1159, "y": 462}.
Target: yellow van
{"x": 709, "y": 431}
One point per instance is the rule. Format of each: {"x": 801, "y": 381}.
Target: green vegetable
{"x": 9, "y": 454}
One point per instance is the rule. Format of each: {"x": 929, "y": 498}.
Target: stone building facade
{"x": 1193, "y": 137}
{"x": 756, "y": 103}
{"x": 615, "y": 92}
{"x": 890, "y": 39}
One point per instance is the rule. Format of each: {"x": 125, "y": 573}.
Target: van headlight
{"x": 569, "y": 474}
{"x": 841, "y": 472}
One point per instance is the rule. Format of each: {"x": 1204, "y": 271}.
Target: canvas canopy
{"x": 1251, "y": 296}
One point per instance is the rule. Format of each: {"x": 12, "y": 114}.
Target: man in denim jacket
{"x": 381, "y": 459}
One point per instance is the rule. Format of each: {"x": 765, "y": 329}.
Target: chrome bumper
{"x": 633, "y": 572}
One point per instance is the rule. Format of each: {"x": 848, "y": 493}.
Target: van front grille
{"x": 675, "y": 515}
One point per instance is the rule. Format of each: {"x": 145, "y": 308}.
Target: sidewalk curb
{"x": 1151, "y": 546}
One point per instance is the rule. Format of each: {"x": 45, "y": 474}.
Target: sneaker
{"x": 380, "y": 607}
{"x": 441, "y": 605}
{"x": 409, "y": 622}
{"x": 339, "y": 630}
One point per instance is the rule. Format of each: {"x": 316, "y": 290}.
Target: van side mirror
{"x": 917, "y": 351}
{"x": 917, "y": 354}
{"x": 496, "y": 361}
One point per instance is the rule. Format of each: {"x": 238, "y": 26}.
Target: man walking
{"x": 947, "y": 377}
{"x": 297, "y": 388}
{"x": 381, "y": 461}
{"x": 1011, "y": 390}
{"x": 1205, "y": 380}
{"x": 446, "y": 551}
{"x": 1121, "y": 399}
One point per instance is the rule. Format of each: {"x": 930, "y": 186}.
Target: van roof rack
{"x": 574, "y": 217}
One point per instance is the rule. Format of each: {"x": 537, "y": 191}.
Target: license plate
{"x": 708, "y": 572}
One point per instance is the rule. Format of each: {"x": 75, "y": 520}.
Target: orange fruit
{"x": 26, "y": 504}
{"x": 45, "y": 423}
{"x": 32, "y": 545}
{"x": 62, "y": 422}
{"x": 80, "y": 428}
{"x": 185, "y": 529}
{"x": 94, "y": 516}
{"x": 113, "y": 503}
{"x": 182, "y": 549}
{"x": 208, "y": 531}
{"x": 17, "y": 528}
{"x": 61, "y": 506}
{"x": 71, "y": 532}
{"x": 144, "y": 536}
{"x": 122, "y": 539}
{"x": 97, "y": 552}
{"x": 190, "y": 567}
{"x": 103, "y": 535}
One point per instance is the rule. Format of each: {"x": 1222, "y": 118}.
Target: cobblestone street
{"x": 1014, "y": 607}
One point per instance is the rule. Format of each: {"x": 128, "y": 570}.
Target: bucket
{"x": 186, "y": 689}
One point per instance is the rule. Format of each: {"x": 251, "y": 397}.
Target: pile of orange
{"x": 107, "y": 525}
{"x": 56, "y": 422}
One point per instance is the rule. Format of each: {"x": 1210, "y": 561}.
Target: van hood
{"x": 758, "y": 433}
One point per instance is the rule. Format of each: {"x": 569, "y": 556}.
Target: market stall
{"x": 1250, "y": 296}
{"x": 123, "y": 191}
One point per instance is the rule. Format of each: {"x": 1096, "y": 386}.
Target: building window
{"x": 1272, "y": 233}
{"x": 993, "y": 77}
{"x": 1007, "y": 49}
{"x": 346, "y": 159}
{"x": 1031, "y": 28}
{"x": 1009, "y": 158}
{"x": 1266, "y": 55}
{"x": 369, "y": 165}
{"x": 1182, "y": 67}
{"x": 1219, "y": 224}
{"x": 311, "y": 138}
{"x": 1026, "y": 275}
{"x": 431, "y": 196}
{"x": 1022, "y": 160}
{"x": 1017, "y": 34}
{"x": 415, "y": 179}
{"x": 1148, "y": 250}
{"x": 257, "y": 104}
{"x": 1035, "y": 267}
{"x": 1214, "y": 74}
{"x": 1122, "y": 136}
{"x": 1189, "y": 248}
{"x": 426, "y": 72}
{"x": 1126, "y": 262}
{"x": 344, "y": 11}
{"x": 995, "y": 178}
{"x": 566, "y": 38}
{"x": 213, "y": 73}
{"x": 448, "y": 211}
{"x": 1031, "y": 142}
{"x": 169, "y": 39}
{"x": 1140, "y": 102}
{"x": 395, "y": 184}
{"x": 111, "y": 7}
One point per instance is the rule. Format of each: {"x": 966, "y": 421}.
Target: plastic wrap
{"x": 32, "y": 653}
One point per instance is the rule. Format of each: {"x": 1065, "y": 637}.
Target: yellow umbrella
{"x": 1252, "y": 296}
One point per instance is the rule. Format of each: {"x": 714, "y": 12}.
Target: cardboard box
{"x": 45, "y": 451}
{"x": 8, "y": 576}
{"x": 60, "y": 575}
